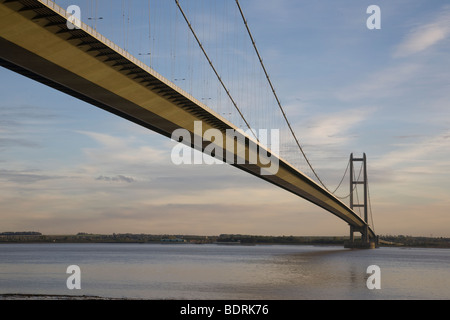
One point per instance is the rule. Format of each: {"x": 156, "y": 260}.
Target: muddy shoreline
{"x": 21, "y": 296}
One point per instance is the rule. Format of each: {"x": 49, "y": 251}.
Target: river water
{"x": 221, "y": 272}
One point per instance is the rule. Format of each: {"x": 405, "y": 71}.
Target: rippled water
{"x": 184, "y": 271}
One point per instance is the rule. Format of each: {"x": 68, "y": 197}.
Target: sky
{"x": 69, "y": 167}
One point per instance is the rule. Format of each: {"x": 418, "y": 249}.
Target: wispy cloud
{"x": 388, "y": 82}
{"x": 17, "y": 121}
{"x": 425, "y": 36}
{"x": 121, "y": 151}
{"x": 334, "y": 128}
{"x": 118, "y": 178}
{"x": 26, "y": 177}
{"x": 16, "y": 142}
{"x": 429, "y": 150}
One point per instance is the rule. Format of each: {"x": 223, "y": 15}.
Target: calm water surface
{"x": 184, "y": 271}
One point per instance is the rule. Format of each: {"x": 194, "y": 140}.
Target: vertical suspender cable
{"x": 276, "y": 96}
{"x": 214, "y": 69}
{"x": 370, "y": 206}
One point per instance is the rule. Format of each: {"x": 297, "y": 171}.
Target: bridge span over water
{"x": 35, "y": 41}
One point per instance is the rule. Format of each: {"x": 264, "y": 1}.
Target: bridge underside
{"x": 35, "y": 42}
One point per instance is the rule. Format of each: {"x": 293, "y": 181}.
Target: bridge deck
{"x": 35, "y": 42}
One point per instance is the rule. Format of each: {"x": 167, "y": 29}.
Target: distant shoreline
{"x": 223, "y": 239}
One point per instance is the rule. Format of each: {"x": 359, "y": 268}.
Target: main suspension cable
{"x": 359, "y": 175}
{"x": 343, "y": 177}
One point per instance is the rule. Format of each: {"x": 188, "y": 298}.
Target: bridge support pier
{"x": 364, "y": 243}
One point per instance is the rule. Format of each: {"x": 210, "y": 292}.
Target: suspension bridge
{"x": 43, "y": 41}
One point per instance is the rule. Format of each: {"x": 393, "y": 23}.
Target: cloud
{"x": 25, "y": 177}
{"x": 414, "y": 172}
{"x": 404, "y": 78}
{"x": 421, "y": 39}
{"x": 333, "y": 128}
{"x": 427, "y": 150}
{"x": 15, "y": 142}
{"x": 106, "y": 140}
{"x": 121, "y": 154}
{"x": 388, "y": 82}
{"x": 16, "y": 123}
{"x": 118, "y": 178}
{"x": 425, "y": 36}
